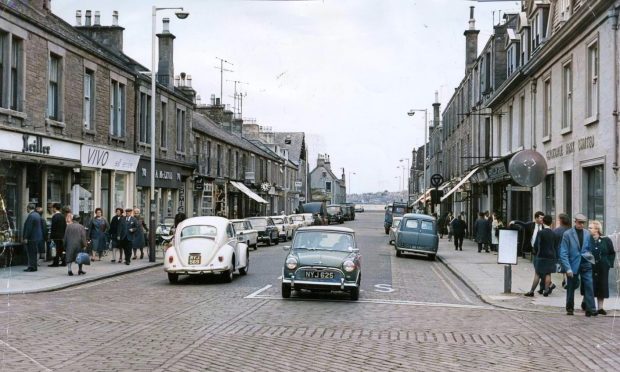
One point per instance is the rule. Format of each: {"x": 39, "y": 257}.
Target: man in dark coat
{"x": 531, "y": 230}
{"x": 125, "y": 233}
{"x": 459, "y": 227}
{"x": 33, "y": 235}
{"x": 482, "y": 233}
{"x": 57, "y": 234}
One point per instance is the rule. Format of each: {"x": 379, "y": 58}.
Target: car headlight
{"x": 291, "y": 263}
{"x": 348, "y": 266}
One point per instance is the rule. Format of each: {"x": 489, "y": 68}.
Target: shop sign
{"x": 166, "y": 175}
{"x": 38, "y": 145}
{"x": 97, "y": 157}
{"x": 568, "y": 148}
{"x": 199, "y": 183}
{"x": 497, "y": 170}
{"x": 182, "y": 198}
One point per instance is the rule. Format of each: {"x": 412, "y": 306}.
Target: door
{"x": 427, "y": 234}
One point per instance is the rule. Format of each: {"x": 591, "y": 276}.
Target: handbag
{"x": 559, "y": 268}
{"x": 52, "y": 247}
{"x": 83, "y": 258}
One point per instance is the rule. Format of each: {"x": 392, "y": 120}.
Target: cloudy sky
{"x": 345, "y": 72}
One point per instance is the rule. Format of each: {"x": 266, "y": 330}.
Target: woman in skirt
{"x": 75, "y": 241}
{"x": 604, "y": 256}
{"x": 545, "y": 259}
{"x": 97, "y": 233}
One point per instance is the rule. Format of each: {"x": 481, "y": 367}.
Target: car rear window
{"x": 259, "y": 222}
{"x": 411, "y": 224}
{"x": 239, "y": 226}
{"x": 427, "y": 225}
{"x": 277, "y": 220}
{"x": 198, "y": 230}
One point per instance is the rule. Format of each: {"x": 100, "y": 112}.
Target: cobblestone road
{"x": 139, "y": 322}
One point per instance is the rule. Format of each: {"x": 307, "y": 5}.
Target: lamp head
{"x": 181, "y": 14}
{"x": 411, "y": 113}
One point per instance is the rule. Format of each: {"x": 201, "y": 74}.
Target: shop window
{"x": 9, "y": 208}
{"x": 595, "y": 192}
{"x": 84, "y": 193}
{"x": 550, "y": 194}
{"x": 120, "y": 191}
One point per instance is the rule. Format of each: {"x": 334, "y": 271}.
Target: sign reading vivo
{"x": 97, "y": 157}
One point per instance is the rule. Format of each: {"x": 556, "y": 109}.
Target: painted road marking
{"x": 384, "y": 288}
{"x": 456, "y": 296}
{"x": 442, "y": 269}
{"x": 256, "y": 293}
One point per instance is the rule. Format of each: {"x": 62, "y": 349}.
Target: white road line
{"x": 446, "y": 275}
{"x": 253, "y": 295}
{"x": 26, "y": 356}
{"x": 280, "y": 277}
{"x": 456, "y": 296}
{"x": 378, "y": 301}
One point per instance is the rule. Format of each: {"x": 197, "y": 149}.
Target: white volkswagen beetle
{"x": 206, "y": 245}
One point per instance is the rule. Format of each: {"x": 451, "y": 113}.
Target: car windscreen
{"x": 277, "y": 220}
{"x": 258, "y": 222}
{"x": 198, "y": 230}
{"x": 239, "y": 226}
{"x": 333, "y": 210}
{"x": 398, "y": 210}
{"x": 323, "y": 240}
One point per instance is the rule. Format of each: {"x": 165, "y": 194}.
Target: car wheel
{"x": 173, "y": 278}
{"x": 255, "y": 246}
{"x": 269, "y": 242}
{"x": 391, "y": 242}
{"x": 286, "y": 290}
{"x": 244, "y": 270}
{"x": 228, "y": 275}
{"x": 355, "y": 293}
{"x": 431, "y": 257}
{"x": 398, "y": 253}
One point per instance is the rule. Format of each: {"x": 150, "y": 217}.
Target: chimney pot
{"x": 97, "y": 18}
{"x": 87, "y": 18}
{"x": 78, "y": 17}
{"x": 217, "y": 101}
{"x": 166, "y": 26}
{"x": 213, "y": 100}
{"x": 189, "y": 81}
{"x": 115, "y": 18}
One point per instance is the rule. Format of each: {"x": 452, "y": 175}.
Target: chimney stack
{"x": 471, "y": 42}
{"x": 97, "y": 18}
{"x": 87, "y": 19}
{"x": 78, "y": 17}
{"x": 108, "y": 36}
{"x": 436, "y": 117}
{"x": 165, "y": 70}
{"x": 115, "y": 18}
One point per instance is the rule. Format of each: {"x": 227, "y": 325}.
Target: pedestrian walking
{"x": 563, "y": 225}
{"x": 496, "y": 225}
{"x": 482, "y": 232}
{"x": 140, "y": 236}
{"x": 459, "y": 228}
{"x": 97, "y": 233}
{"x": 577, "y": 259}
{"x": 604, "y": 257}
{"x": 32, "y": 236}
{"x": 126, "y": 233}
{"x": 41, "y": 246}
{"x": 449, "y": 219}
{"x": 75, "y": 242}
{"x": 115, "y": 244}
{"x": 57, "y": 235}
{"x": 544, "y": 257}
{"x": 531, "y": 230}
{"x": 178, "y": 218}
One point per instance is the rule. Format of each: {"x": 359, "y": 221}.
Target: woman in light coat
{"x": 75, "y": 241}
{"x": 495, "y": 226}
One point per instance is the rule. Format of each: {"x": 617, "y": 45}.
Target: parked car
{"x": 298, "y": 220}
{"x": 395, "y": 209}
{"x": 334, "y": 214}
{"x": 246, "y": 232}
{"x": 359, "y": 208}
{"x": 417, "y": 233}
{"x": 323, "y": 258}
{"x": 308, "y": 218}
{"x": 348, "y": 210}
{"x": 394, "y": 228}
{"x": 267, "y": 230}
{"x": 206, "y": 245}
{"x": 318, "y": 210}
{"x": 285, "y": 230}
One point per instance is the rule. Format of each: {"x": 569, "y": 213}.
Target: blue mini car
{"x": 417, "y": 233}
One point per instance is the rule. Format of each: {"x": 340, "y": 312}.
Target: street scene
{"x": 412, "y": 314}
{"x": 260, "y": 185}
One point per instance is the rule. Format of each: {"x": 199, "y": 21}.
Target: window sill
{"x": 55, "y": 123}
{"x": 566, "y": 131}
{"x": 13, "y": 113}
{"x": 180, "y": 153}
{"x": 591, "y": 120}
{"x": 163, "y": 149}
{"x": 89, "y": 132}
{"x": 546, "y": 139}
{"x": 116, "y": 139}
{"x": 144, "y": 144}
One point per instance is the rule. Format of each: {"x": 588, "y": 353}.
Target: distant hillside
{"x": 379, "y": 197}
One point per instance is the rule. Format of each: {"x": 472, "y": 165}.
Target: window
{"x": 89, "y": 99}
{"x": 567, "y": 96}
{"x": 144, "y": 124}
{"x": 521, "y": 137}
{"x": 15, "y": 77}
{"x": 117, "y": 109}
{"x": 231, "y": 167}
{"x": 163, "y": 125}
{"x": 595, "y": 192}
{"x": 3, "y": 48}
{"x": 510, "y": 125}
{"x": 53, "y": 89}
{"x": 547, "y": 109}
{"x": 328, "y": 186}
{"x": 11, "y": 59}
{"x": 487, "y": 138}
{"x": 219, "y": 160}
{"x": 180, "y": 130}
{"x": 592, "y": 81}
{"x": 550, "y": 195}
{"x": 209, "y": 157}
{"x": 568, "y": 192}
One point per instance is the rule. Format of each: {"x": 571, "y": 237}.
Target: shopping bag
{"x": 83, "y": 258}
{"x": 52, "y": 247}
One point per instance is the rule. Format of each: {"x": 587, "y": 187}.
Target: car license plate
{"x": 319, "y": 275}
{"x": 194, "y": 259}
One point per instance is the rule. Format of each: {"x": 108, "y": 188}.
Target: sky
{"x": 345, "y": 72}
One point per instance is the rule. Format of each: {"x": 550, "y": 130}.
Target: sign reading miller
{"x": 34, "y": 146}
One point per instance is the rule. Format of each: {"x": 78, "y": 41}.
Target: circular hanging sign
{"x": 436, "y": 180}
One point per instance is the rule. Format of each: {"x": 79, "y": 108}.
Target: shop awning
{"x": 428, "y": 192}
{"x": 460, "y": 183}
{"x": 244, "y": 189}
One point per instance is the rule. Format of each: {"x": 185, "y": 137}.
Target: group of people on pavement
{"x": 126, "y": 233}
{"x": 585, "y": 256}
{"x": 486, "y": 230}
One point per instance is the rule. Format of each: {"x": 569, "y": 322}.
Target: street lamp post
{"x": 349, "y": 178}
{"x": 181, "y": 14}
{"x": 408, "y": 176}
{"x": 411, "y": 113}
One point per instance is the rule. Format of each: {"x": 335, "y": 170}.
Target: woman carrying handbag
{"x": 75, "y": 241}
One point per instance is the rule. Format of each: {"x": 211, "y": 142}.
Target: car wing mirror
{"x": 240, "y": 237}
{"x": 351, "y": 249}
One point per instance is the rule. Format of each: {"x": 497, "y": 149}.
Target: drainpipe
{"x": 613, "y": 14}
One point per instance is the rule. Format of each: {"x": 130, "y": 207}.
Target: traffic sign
{"x": 436, "y": 180}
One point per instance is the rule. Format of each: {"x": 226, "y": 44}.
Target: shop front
{"x": 512, "y": 201}
{"x": 171, "y": 183}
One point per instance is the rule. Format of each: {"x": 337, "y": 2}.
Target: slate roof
{"x": 297, "y": 147}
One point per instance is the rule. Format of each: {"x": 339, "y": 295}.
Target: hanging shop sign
{"x": 199, "y": 183}
{"x": 166, "y": 175}
{"x": 34, "y": 144}
{"x": 98, "y": 157}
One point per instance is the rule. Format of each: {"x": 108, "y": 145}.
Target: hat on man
{"x": 580, "y": 217}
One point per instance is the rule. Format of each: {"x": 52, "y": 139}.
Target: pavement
{"x": 484, "y": 276}
{"x": 13, "y": 280}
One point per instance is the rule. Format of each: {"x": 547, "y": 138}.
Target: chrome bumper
{"x": 197, "y": 271}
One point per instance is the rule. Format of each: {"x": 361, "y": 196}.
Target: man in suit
{"x": 577, "y": 260}
{"x": 532, "y": 229}
{"x": 32, "y": 237}
{"x": 57, "y": 234}
{"x": 126, "y": 229}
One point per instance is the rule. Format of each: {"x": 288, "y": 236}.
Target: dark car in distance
{"x": 267, "y": 230}
{"x": 318, "y": 210}
{"x": 335, "y": 214}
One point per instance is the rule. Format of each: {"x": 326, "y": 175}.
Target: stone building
{"x": 325, "y": 185}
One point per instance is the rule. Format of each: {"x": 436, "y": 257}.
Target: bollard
{"x": 507, "y": 278}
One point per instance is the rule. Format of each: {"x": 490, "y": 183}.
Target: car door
{"x": 231, "y": 238}
{"x": 410, "y": 232}
{"x": 427, "y": 236}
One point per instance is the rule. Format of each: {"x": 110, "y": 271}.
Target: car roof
{"x": 220, "y": 224}
{"x": 257, "y": 217}
{"x": 326, "y": 228}
{"x": 238, "y": 220}
{"x": 419, "y": 215}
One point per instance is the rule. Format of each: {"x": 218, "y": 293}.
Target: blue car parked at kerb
{"x": 417, "y": 233}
